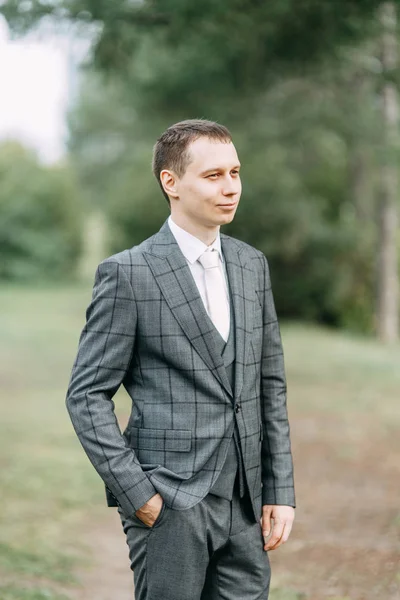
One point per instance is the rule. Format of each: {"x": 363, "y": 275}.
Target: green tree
{"x": 40, "y": 229}
{"x": 278, "y": 75}
{"x": 296, "y": 205}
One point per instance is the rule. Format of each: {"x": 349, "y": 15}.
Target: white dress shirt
{"x": 192, "y": 248}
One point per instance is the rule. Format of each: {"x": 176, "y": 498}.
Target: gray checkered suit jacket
{"x": 147, "y": 329}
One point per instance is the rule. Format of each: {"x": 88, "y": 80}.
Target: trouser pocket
{"x": 160, "y": 515}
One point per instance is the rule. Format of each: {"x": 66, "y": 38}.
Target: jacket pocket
{"x": 168, "y": 440}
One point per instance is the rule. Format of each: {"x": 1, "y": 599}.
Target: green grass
{"x": 54, "y": 566}
{"x": 333, "y": 371}
{"x": 11, "y": 592}
{"x": 49, "y": 489}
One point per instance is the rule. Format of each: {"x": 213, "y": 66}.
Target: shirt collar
{"x": 191, "y": 247}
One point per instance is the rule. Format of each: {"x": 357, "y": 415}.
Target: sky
{"x": 34, "y": 92}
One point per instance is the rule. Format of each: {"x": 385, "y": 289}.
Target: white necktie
{"x": 215, "y": 290}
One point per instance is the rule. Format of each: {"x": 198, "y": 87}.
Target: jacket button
{"x": 237, "y": 408}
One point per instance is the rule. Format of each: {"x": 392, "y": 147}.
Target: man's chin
{"x": 225, "y": 219}
{"x": 219, "y": 220}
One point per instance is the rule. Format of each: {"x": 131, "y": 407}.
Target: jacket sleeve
{"x": 276, "y": 456}
{"x": 105, "y": 350}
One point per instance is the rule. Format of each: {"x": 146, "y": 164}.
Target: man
{"x": 186, "y": 322}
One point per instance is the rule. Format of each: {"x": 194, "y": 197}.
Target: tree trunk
{"x": 359, "y": 151}
{"x": 94, "y": 244}
{"x": 388, "y": 284}
{"x": 359, "y": 168}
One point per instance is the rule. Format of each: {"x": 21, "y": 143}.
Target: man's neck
{"x": 206, "y": 234}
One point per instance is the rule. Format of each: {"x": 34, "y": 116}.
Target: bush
{"x": 40, "y": 217}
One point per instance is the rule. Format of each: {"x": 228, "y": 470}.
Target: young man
{"x": 186, "y": 322}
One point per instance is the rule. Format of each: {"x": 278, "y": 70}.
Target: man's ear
{"x": 168, "y": 181}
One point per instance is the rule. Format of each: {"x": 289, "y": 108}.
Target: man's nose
{"x": 230, "y": 187}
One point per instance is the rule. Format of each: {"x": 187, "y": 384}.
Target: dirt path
{"x": 346, "y": 540}
{"x": 109, "y": 577}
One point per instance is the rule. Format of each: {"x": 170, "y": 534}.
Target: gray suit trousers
{"x": 211, "y": 551}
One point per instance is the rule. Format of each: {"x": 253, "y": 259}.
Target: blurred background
{"x": 309, "y": 91}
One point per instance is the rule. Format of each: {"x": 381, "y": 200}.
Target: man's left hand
{"x": 282, "y": 517}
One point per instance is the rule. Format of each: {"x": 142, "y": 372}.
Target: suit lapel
{"x": 173, "y": 276}
{"x": 241, "y": 284}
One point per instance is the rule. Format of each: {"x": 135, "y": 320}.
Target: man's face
{"x": 209, "y": 191}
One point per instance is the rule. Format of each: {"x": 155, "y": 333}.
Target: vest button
{"x": 237, "y": 408}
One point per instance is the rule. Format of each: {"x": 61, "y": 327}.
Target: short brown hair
{"x": 171, "y": 149}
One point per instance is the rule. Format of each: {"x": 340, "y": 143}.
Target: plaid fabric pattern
{"x": 147, "y": 329}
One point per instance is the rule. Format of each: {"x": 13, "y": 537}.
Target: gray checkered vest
{"x": 233, "y": 464}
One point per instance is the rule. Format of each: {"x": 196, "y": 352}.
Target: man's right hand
{"x": 149, "y": 512}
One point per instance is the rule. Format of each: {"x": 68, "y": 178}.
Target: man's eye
{"x": 212, "y": 175}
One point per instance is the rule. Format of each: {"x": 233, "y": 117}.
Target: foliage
{"x": 296, "y": 206}
{"x": 297, "y": 84}
{"x": 40, "y": 217}
{"x": 240, "y": 35}
{"x": 182, "y": 57}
